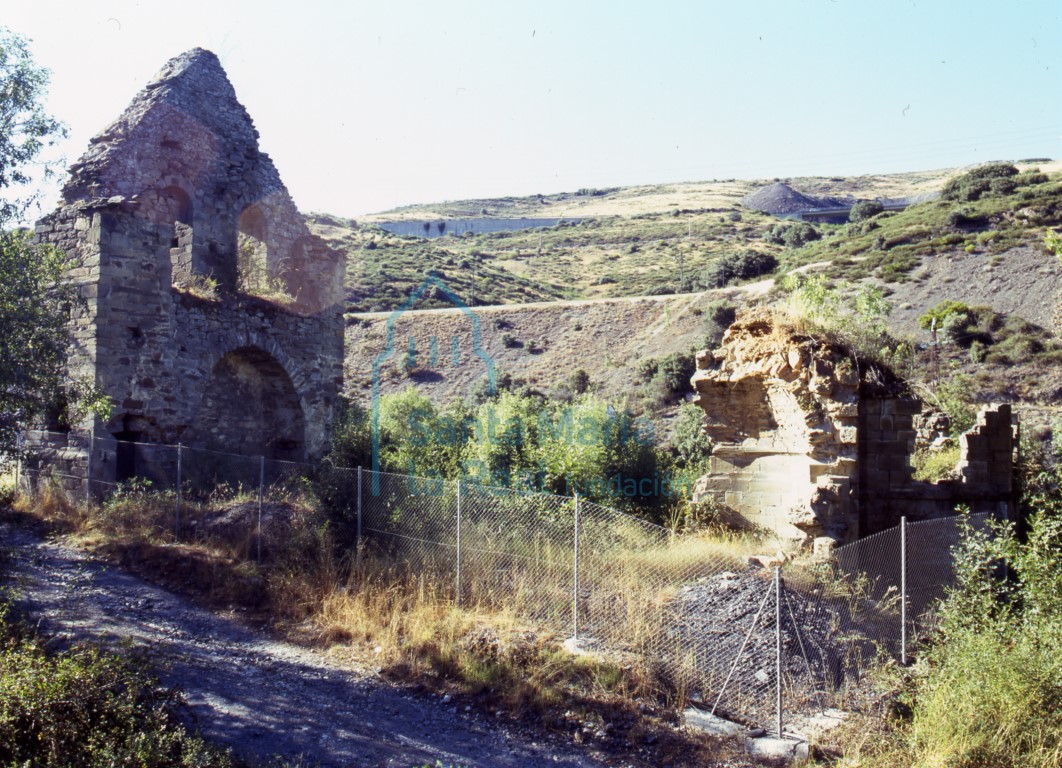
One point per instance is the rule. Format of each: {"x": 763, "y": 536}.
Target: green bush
{"x": 87, "y": 707}
{"x": 987, "y": 694}
{"x": 718, "y": 316}
{"x": 579, "y": 381}
{"x": 737, "y": 266}
{"x": 1003, "y": 186}
{"x": 865, "y": 209}
{"x": 791, "y": 234}
{"x": 972, "y": 185}
{"x": 672, "y": 373}
{"x": 934, "y": 466}
{"x": 691, "y": 445}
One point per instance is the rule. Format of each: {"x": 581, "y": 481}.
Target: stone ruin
{"x": 213, "y": 316}
{"x": 816, "y": 445}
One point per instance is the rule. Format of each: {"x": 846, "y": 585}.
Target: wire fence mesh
{"x": 728, "y": 634}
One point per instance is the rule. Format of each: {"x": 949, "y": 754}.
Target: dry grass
{"x": 403, "y": 620}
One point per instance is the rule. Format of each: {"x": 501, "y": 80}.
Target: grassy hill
{"x": 567, "y": 295}
{"x": 661, "y": 239}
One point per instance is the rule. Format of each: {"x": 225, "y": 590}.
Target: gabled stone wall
{"x": 161, "y": 217}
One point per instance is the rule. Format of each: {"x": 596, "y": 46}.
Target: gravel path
{"x": 260, "y": 696}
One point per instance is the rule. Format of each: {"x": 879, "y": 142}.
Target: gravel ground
{"x": 260, "y": 696}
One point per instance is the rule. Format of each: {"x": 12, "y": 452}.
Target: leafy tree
{"x": 36, "y": 297}
{"x": 25, "y": 128}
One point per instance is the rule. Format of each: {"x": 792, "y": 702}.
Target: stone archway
{"x": 250, "y": 407}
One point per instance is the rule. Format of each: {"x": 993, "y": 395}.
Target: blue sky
{"x": 364, "y": 106}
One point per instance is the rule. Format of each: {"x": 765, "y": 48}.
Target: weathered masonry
{"x": 816, "y": 445}
{"x": 213, "y": 316}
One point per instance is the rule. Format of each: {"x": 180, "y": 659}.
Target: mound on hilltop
{"x": 779, "y": 199}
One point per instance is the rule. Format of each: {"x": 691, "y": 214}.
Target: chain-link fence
{"x": 745, "y": 640}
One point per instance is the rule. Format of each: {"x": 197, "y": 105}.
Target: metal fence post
{"x": 261, "y": 491}
{"x": 177, "y": 518}
{"x": 778, "y": 646}
{"x": 459, "y": 543}
{"x": 575, "y": 588}
{"x": 357, "y": 540}
{"x": 903, "y": 590}
{"x": 18, "y": 461}
{"x": 88, "y": 469}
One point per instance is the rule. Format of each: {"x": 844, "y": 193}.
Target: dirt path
{"x": 260, "y": 696}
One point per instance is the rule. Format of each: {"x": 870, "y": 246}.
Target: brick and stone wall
{"x": 212, "y": 316}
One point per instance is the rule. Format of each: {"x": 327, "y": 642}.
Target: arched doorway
{"x": 250, "y": 407}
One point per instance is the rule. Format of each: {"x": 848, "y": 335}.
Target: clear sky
{"x": 368, "y": 105}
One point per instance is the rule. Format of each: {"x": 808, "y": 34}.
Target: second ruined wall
{"x": 816, "y": 445}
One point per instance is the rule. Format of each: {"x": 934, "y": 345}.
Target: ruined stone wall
{"x": 815, "y": 444}
{"x": 160, "y": 215}
{"x": 984, "y": 479}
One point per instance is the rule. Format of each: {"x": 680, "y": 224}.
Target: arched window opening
{"x": 173, "y": 213}
{"x": 252, "y": 253}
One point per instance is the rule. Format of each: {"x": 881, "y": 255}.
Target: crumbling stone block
{"x": 806, "y": 446}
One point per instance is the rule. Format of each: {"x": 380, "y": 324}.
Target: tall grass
{"x": 396, "y": 608}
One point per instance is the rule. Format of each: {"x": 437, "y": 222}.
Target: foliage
{"x": 87, "y": 707}
{"x": 990, "y": 335}
{"x": 934, "y": 466}
{"x": 351, "y": 436}
{"x": 988, "y": 694}
{"x": 36, "y": 298}
{"x": 865, "y": 209}
{"x": 669, "y": 375}
{"x": 513, "y": 439}
{"x": 35, "y": 301}
{"x": 27, "y": 128}
{"x": 934, "y": 317}
{"x": 855, "y": 317}
{"x": 579, "y": 381}
{"x": 954, "y": 396}
{"x": 791, "y": 234}
{"x": 718, "y": 317}
{"x": 977, "y": 182}
{"x": 417, "y": 438}
{"x": 1053, "y": 242}
{"x": 691, "y": 445}
{"x": 737, "y": 266}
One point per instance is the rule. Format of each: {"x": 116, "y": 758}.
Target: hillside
{"x": 660, "y": 240}
{"x": 558, "y": 300}
{"x": 541, "y": 346}
{"x": 664, "y": 198}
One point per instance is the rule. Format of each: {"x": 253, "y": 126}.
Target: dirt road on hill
{"x": 260, "y": 696}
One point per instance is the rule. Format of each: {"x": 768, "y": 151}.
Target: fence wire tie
{"x": 741, "y": 652}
